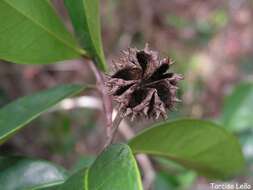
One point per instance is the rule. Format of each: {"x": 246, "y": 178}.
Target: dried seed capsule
{"x": 142, "y": 85}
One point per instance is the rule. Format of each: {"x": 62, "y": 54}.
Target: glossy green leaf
{"x": 114, "y": 169}
{"x": 31, "y": 33}
{"x": 195, "y": 144}
{"x": 17, "y": 114}
{"x": 237, "y": 112}
{"x": 19, "y": 173}
{"x": 76, "y": 182}
{"x": 85, "y": 17}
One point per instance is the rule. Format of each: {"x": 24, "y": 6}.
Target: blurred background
{"x": 212, "y": 44}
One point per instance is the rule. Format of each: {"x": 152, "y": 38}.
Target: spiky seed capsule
{"x": 142, "y": 85}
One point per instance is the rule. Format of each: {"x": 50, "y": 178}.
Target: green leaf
{"x": 76, "y": 182}
{"x": 114, "y": 169}
{"x": 164, "y": 181}
{"x": 31, "y": 33}
{"x": 19, "y": 173}
{"x": 182, "y": 176}
{"x": 237, "y": 112}
{"x": 246, "y": 140}
{"x": 195, "y": 144}
{"x": 174, "y": 181}
{"x": 83, "y": 162}
{"x": 17, "y": 114}
{"x": 85, "y": 18}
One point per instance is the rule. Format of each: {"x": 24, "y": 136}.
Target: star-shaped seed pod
{"x": 142, "y": 85}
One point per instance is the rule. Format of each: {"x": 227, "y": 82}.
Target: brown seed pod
{"x": 142, "y": 85}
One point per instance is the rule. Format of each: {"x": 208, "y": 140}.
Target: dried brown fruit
{"x": 142, "y": 84}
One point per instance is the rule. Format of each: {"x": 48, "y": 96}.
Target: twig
{"x": 116, "y": 123}
{"x": 124, "y": 129}
{"x": 148, "y": 171}
{"x": 107, "y": 102}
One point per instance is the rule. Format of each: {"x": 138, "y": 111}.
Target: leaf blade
{"x": 34, "y": 34}
{"x": 237, "y": 111}
{"x": 30, "y": 107}
{"x": 117, "y": 158}
{"x": 195, "y": 144}
{"x": 29, "y": 173}
{"x": 85, "y": 18}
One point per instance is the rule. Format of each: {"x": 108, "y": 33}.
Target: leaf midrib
{"x": 77, "y": 50}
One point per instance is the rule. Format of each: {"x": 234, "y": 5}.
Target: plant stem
{"x": 107, "y": 101}
{"x": 115, "y": 126}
